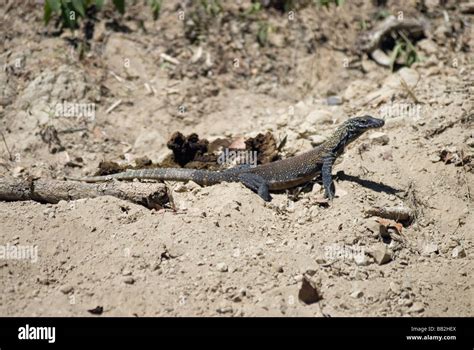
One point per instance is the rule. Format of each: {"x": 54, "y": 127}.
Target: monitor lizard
{"x": 278, "y": 175}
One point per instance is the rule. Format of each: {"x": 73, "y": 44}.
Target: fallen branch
{"x": 150, "y": 195}
{"x": 399, "y": 214}
{"x": 370, "y": 41}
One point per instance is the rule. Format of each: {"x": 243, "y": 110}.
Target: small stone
{"x": 357, "y": 294}
{"x": 126, "y": 272}
{"x": 361, "y": 260}
{"x": 373, "y": 227}
{"x": 66, "y": 289}
{"x": 270, "y": 242}
{"x": 458, "y": 252}
{"x": 417, "y": 307}
{"x": 222, "y": 267}
{"x": 381, "y": 254}
{"x": 428, "y": 46}
{"x": 17, "y": 171}
{"x": 434, "y": 158}
{"x": 276, "y": 39}
{"x": 334, "y": 100}
{"x": 320, "y": 260}
{"x": 380, "y": 138}
{"x": 298, "y": 278}
{"x": 395, "y": 287}
{"x": 368, "y": 65}
{"x": 316, "y": 188}
{"x": 224, "y": 309}
{"x": 430, "y": 248}
{"x": 129, "y": 280}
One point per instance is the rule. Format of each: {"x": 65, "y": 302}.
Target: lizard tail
{"x": 202, "y": 177}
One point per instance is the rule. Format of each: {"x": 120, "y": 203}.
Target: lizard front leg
{"x": 256, "y": 183}
{"x": 326, "y": 173}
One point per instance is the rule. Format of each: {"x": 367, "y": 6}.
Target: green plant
{"x": 327, "y": 3}
{"x": 155, "y": 8}
{"x": 70, "y": 11}
{"x": 404, "y": 52}
{"x": 262, "y": 34}
{"x": 254, "y": 8}
{"x": 211, "y": 7}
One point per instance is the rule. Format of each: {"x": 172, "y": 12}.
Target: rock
{"x": 458, "y": 252}
{"x": 309, "y": 292}
{"x": 361, "y": 260}
{"x": 126, "y": 272}
{"x": 378, "y": 137}
{"x": 334, "y": 100}
{"x": 428, "y": 46}
{"x": 417, "y": 307}
{"x": 279, "y": 268}
{"x": 430, "y": 248}
{"x": 368, "y": 65}
{"x": 276, "y": 39}
{"x": 381, "y": 254}
{"x": 379, "y": 56}
{"x": 357, "y": 294}
{"x": 129, "y": 280}
{"x": 222, "y": 267}
{"x": 395, "y": 287}
{"x": 66, "y": 289}
{"x": 320, "y": 260}
{"x": 470, "y": 142}
{"x": 374, "y": 227}
{"x": 434, "y": 158}
{"x": 441, "y": 32}
{"x": 270, "y": 242}
{"x": 224, "y": 309}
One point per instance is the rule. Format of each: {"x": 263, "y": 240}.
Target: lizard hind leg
{"x": 257, "y": 184}
{"x": 328, "y": 184}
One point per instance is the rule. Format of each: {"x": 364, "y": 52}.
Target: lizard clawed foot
{"x": 330, "y": 191}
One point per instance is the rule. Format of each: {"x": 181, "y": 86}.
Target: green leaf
{"x": 99, "y": 4}
{"x": 120, "y": 5}
{"x": 66, "y": 10}
{"x": 395, "y": 53}
{"x": 50, "y": 6}
{"x": 79, "y": 6}
{"x": 55, "y": 5}
{"x": 155, "y": 8}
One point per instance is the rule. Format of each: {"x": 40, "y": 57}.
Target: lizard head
{"x": 359, "y": 125}
{"x": 352, "y": 128}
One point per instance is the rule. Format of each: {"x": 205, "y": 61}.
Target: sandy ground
{"x": 222, "y": 250}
